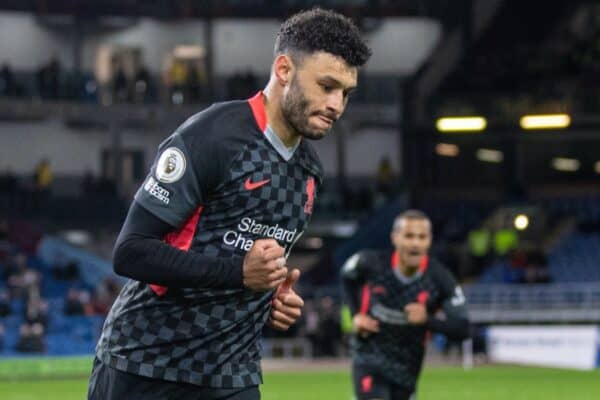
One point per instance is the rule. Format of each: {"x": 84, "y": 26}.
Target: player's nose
{"x": 335, "y": 103}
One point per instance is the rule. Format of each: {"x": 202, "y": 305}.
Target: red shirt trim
{"x": 258, "y": 110}
{"x": 182, "y": 239}
{"x": 365, "y": 300}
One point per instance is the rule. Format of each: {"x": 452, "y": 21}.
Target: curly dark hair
{"x": 322, "y": 30}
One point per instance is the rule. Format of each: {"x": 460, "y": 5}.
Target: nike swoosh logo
{"x": 255, "y": 185}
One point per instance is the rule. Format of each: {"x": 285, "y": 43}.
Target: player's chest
{"x": 388, "y": 290}
{"x": 268, "y": 189}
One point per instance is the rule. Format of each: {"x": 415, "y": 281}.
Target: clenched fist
{"x": 364, "y": 325}
{"x": 287, "y": 304}
{"x": 416, "y": 313}
{"x": 264, "y": 265}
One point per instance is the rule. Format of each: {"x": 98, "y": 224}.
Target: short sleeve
{"x": 454, "y": 301}
{"x": 353, "y": 267}
{"x": 172, "y": 189}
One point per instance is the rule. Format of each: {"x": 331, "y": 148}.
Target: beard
{"x": 295, "y": 109}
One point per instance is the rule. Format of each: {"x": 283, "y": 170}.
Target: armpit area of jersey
{"x": 141, "y": 254}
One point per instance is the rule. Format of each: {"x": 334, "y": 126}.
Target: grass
{"x": 485, "y": 383}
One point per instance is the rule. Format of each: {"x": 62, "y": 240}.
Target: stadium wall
{"x": 27, "y": 45}
{"x": 72, "y": 152}
{"x": 400, "y": 45}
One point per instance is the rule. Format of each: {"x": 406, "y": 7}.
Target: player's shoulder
{"x": 354, "y": 262}
{"x": 439, "y": 271}
{"x": 218, "y": 122}
{"x": 366, "y": 257}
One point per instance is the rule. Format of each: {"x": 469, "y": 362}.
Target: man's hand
{"x": 287, "y": 304}
{"x": 416, "y": 313}
{"x": 364, "y": 325}
{"x": 264, "y": 265}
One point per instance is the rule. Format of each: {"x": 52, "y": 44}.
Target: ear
{"x": 283, "y": 68}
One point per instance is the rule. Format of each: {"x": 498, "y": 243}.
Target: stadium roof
{"x": 180, "y": 9}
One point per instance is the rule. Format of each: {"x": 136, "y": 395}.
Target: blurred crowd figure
{"x": 23, "y": 284}
{"x": 31, "y": 339}
{"x": 21, "y": 280}
{"x": 527, "y": 266}
{"x": 183, "y": 82}
{"x": 385, "y": 182}
{"x": 49, "y": 79}
{"x": 137, "y": 88}
{"x": 43, "y": 175}
{"x": 8, "y": 85}
{"x": 186, "y": 82}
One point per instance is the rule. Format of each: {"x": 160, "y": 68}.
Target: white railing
{"x": 568, "y": 302}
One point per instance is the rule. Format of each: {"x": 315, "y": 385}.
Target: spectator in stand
{"x": 15, "y": 266}
{"x": 177, "y": 80}
{"x": 1, "y": 336}
{"x": 385, "y": 181}
{"x": 196, "y": 81}
{"x": 78, "y": 302}
{"x": 142, "y": 85}
{"x": 66, "y": 272}
{"x": 4, "y": 303}
{"x": 7, "y": 81}
{"x": 31, "y": 339}
{"x": 36, "y": 311}
{"x": 329, "y": 331}
{"x": 20, "y": 278}
{"x": 310, "y": 320}
{"x": 43, "y": 184}
{"x": 48, "y": 79}
{"x": 105, "y": 295}
{"x": 120, "y": 84}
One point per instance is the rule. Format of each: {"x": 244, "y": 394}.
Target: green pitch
{"x": 485, "y": 383}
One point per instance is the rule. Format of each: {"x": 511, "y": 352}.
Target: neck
{"x": 406, "y": 270}
{"x": 272, "y": 101}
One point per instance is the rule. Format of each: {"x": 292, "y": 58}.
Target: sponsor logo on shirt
{"x": 388, "y": 315}
{"x": 171, "y": 165}
{"x": 154, "y": 189}
{"x": 238, "y": 238}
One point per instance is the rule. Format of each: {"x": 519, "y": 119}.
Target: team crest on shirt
{"x": 171, "y": 165}
{"x": 310, "y": 192}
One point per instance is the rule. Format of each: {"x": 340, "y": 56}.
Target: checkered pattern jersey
{"x": 396, "y": 352}
{"x": 236, "y": 188}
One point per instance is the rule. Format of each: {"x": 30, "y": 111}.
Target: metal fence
{"x": 568, "y": 302}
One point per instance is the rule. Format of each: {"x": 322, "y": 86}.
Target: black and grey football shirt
{"x": 224, "y": 180}
{"x": 375, "y": 287}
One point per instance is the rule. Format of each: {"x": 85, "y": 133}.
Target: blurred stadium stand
{"x": 499, "y": 59}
